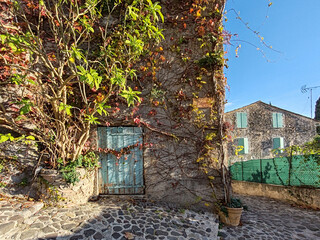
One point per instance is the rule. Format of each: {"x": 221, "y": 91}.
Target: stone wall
{"x": 296, "y": 130}
{"x": 173, "y": 140}
{"x": 18, "y": 162}
{"x": 54, "y": 190}
{"x": 173, "y": 80}
{"x": 309, "y": 197}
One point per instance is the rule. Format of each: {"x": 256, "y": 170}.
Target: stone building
{"x": 260, "y": 128}
{"x": 154, "y": 149}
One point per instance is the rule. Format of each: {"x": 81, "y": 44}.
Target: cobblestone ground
{"x": 271, "y": 219}
{"x": 105, "y": 219}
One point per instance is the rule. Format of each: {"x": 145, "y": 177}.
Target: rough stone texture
{"x": 78, "y": 193}
{"x": 18, "y": 161}
{"x": 296, "y": 130}
{"x": 171, "y": 171}
{"x": 102, "y": 220}
{"x": 309, "y": 197}
{"x": 271, "y": 219}
{"x": 170, "y": 166}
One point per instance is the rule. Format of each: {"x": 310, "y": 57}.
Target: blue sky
{"x": 293, "y": 28}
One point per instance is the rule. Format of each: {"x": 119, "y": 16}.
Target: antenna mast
{"x": 304, "y": 89}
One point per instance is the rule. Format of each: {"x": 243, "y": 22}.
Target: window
{"x": 244, "y": 143}
{"x": 278, "y": 143}
{"x": 277, "y": 120}
{"x": 242, "y": 120}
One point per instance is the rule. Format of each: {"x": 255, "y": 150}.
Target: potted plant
{"x": 230, "y": 212}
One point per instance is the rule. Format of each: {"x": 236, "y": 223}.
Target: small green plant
{"x": 212, "y": 59}
{"x": 24, "y": 182}
{"x": 2, "y": 184}
{"x": 182, "y": 211}
{"x": 234, "y": 203}
{"x": 182, "y": 40}
{"x": 89, "y": 161}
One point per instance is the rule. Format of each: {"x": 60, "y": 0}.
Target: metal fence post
{"x": 290, "y": 167}
{"x": 261, "y": 170}
{"x": 242, "y": 168}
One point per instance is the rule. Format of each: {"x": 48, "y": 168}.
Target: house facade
{"x": 259, "y": 129}
{"x": 154, "y": 147}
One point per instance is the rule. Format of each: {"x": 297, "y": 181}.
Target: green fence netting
{"x": 288, "y": 171}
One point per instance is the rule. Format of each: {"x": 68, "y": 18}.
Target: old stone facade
{"x": 183, "y": 102}
{"x": 171, "y": 137}
{"x": 261, "y": 127}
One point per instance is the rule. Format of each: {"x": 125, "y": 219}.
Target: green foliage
{"x": 2, "y": 184}
{"x": 214, "y": 59}
{"x": 66, "y": 108}
{"x": 90, "y": 77}
{"x": 94, "y": 46}
{"x": 26, "y": 106}
{"x": 24, "y": 182}
{"x": 23, "y": 138}
{"x": 89, "y": 161}
{"x": 235, "y": 203}
{"x": 312, "y": 147}
{"x": 130, "y": 96}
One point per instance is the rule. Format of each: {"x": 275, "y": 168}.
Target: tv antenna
{"x": 305, "y": 89}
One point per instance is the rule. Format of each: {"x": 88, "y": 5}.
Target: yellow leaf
{"x": 211, "y": 177}
{"x": 207, "y": 204}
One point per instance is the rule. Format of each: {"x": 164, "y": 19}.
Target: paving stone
{"x": 47, "y": 230}
{"x": 68, "y": 226}
{"x": 76, "y": 237}
{"x": 116, "y": 235}
{"x": 89, "y": 232}
{"x": 117, "y": 228}
{"x": 266, "y": 219}
{"x": 174, "y": 233}
{"x": 28, "y": 234}
{"x": 98, "y": 236}
{"x": 160, "y": 232}
{"x": 37, "y": 225}
{"x": 271, "y": 219}
{"x": 6, "y": 227}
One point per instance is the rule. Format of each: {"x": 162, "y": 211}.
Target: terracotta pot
{"x": 233, "y": 218}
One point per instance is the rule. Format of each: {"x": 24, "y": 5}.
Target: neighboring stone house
{"x": 259, "y": 128}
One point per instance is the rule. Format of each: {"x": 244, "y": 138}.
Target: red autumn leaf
{"x": 136, "y": 120}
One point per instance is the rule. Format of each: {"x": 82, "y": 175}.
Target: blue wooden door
{"x": 121, "y": 174}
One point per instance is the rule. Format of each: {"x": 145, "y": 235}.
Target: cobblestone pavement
{"x": 105, "y": 219}
{"x": 271, "y": 219}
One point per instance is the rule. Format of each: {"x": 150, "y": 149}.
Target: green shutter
{"x": 243, "y": 142}
{"x": 238, "y": 120}
{"x": 280, "y": 120}
{"x": 242, "y": 120}
{"x": 277, "y": 120}
{"x": 278, "y": 143}
{"x": 274, "y": 120}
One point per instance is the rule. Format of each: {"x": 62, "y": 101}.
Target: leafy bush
{"x": 89, "y": 161}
